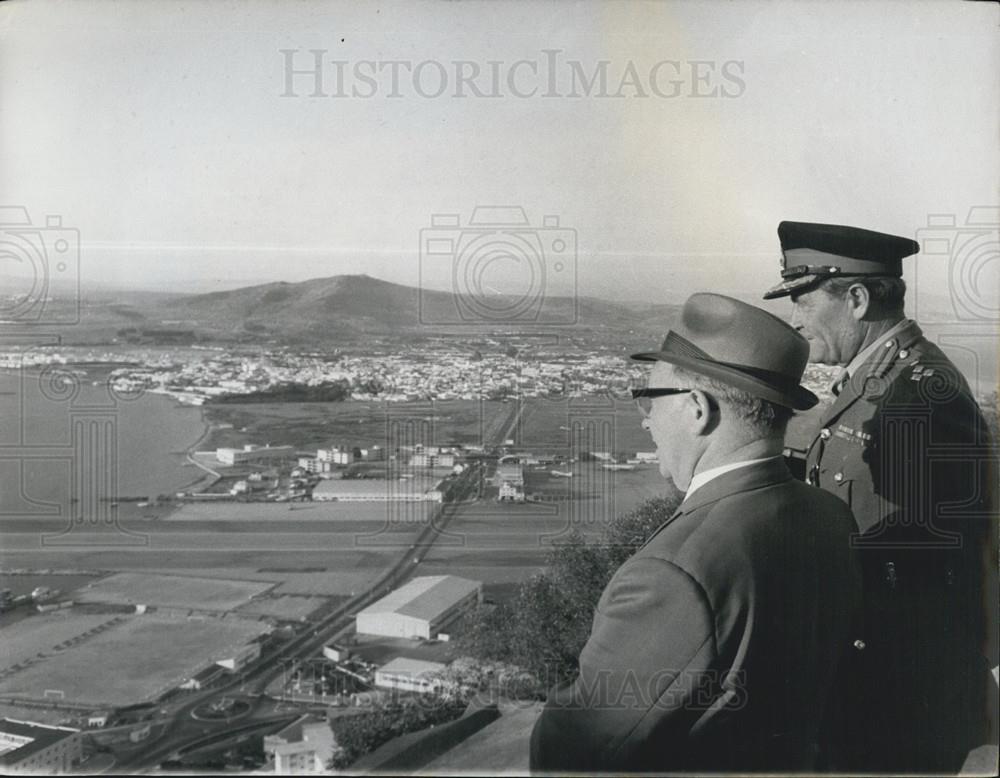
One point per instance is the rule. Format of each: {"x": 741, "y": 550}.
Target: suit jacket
{"x": 714, "y": 646}
{"x": 907, "y": 448}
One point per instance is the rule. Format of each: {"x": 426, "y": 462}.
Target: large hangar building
{"x": 420, "y": 608}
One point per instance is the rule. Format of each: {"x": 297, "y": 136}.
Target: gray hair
{"x": 763, "y": 417}
{"x": 887, "y": 292}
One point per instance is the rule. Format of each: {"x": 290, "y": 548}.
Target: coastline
{"x": 94, "y": 378}
{"x": 206, "y": 432}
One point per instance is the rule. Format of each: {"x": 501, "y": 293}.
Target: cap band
{"x": 803, "y": 261}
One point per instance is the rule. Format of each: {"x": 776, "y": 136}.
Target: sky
{"x": 174, "y": 138}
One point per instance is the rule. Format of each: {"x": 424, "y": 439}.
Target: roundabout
{"x": 223, "y": 709}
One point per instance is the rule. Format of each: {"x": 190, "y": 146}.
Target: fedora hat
{"x": 739, "y": 345}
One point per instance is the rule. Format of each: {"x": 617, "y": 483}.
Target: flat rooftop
{"x": 41, "y": 737}
{"x": 426, "y": 597}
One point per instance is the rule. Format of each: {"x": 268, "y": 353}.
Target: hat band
{"x": 826, "y": 270}
{"x": 681, "y": 346}
{"x": 779, "y": 381}
{"x": 804, "y": 261}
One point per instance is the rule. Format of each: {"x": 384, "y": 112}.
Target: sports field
{"x": 31, "y": 637}
{"x": 210, "y": 594}
{"x": 136, "y": 660}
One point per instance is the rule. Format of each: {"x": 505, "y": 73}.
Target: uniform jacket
{"x": 714, "y": 646}
{"x": 907, "y": 448}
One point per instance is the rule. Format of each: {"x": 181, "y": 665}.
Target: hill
{"x": 355, "y": 307}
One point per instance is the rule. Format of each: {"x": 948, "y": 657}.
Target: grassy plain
{"x": 354, "y": 423}
{"x": 43, "y": 632}
{"x": 210, "y": 594}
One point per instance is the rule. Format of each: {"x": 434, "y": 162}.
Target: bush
{"x": 360, "y": 734}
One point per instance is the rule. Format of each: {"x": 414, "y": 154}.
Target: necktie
{"x": 840, "y": 383}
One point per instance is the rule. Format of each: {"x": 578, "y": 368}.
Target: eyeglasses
{"x": 644, "y": 398}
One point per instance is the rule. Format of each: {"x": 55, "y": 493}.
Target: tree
{"x": 361, "y": 733}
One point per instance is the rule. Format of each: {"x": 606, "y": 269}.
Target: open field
{"x": 352, "y": 423}
{"x": 576, "y": 425}
{"x": 286, "y": 608}
{"x": 210, "y": 594}
{"x": 281, "y": 514}
{"x": 338, "y": 581}
{"x": 43, "y": 632}
{"x": 136, "y": 660}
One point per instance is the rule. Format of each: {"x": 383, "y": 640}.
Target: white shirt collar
{"x": 862, "y": 356}
{"x": 698, "y": 480}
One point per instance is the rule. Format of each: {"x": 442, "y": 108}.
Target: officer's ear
{"x": 858, "y": 301}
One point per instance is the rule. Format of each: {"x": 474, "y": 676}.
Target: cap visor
{"x": 786, "y": 288}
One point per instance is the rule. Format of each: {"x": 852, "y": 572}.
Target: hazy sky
{"x": 160, "y": 132}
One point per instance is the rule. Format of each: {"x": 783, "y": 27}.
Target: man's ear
{"x": 701, "y": 409}
{"x": 858, "y": 301}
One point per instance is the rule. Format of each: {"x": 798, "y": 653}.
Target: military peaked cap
{"x": 811, "y": 253}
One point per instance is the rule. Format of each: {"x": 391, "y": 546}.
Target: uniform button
{"x": 859, "y": 644}
{"x": 904, "y": 354}
{"x": 824, "y": 433}
{"x": 889, "y": 344}
{"x": 838, "y": 477}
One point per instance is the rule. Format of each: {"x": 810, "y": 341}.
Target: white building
{"x": 336, "y": 653}
{"x": 508, "y": 492}
{"x": 315, "y": 465}
{"x": 509, "y": 478}
{"x": 432, "y": 460}
{"x": 38, "y": 749}
{"x": 239, "y": 658}
{"x": 304, "y": 747}
{"x": 410, "y": 675}
{"x": 336, "y": 455}
{"x": 251, "y": 453}
{"x": 420, "y": 608}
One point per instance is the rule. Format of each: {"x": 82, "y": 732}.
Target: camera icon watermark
{"x": 74, "y": 465}
{"x": 41, "y": 269}
{"x": 501, "y": 269}
{"x": 972, "y": 253}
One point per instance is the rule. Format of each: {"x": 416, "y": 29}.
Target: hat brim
{"x": 797, "y": 398}
{"x": 793, "y": 285}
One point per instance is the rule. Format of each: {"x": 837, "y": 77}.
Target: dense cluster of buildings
{"x": 194, "y": 374}
{"x": 197, "y": 373}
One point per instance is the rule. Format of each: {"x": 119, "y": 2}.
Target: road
{"x": 183, "y": 733}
